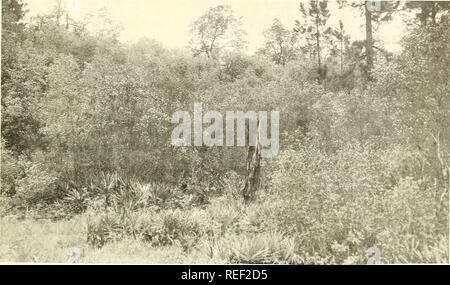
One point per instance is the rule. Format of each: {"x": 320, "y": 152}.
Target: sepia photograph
{"x": 225, "y": 132}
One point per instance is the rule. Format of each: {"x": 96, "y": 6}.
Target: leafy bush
{"x": 342, "y": 203}
{"x": 38, "y": 185}
{"x": 266, "y": 248}
{"x": 10, "y": 171}
{"x": 107, "y": 227}
{"x": 158, "y": 228}
{"x": 173, "y": 227}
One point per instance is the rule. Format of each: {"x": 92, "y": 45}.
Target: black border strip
{"x": 149, "y": 274}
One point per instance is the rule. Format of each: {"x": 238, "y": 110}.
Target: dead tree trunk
{"x": 252, "y": 181}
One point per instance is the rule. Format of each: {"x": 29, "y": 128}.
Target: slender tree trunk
{"x": 318, "y": 50}
{"x": 342, "y": 53}
{"x": 369, "y": 43}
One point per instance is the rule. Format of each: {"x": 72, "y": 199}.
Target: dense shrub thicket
{"x": 86, "y": 131}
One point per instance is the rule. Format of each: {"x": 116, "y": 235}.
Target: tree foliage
{"x": 215, "y": 31}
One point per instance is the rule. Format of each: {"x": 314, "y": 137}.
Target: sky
{"x": 168, "y": 21}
